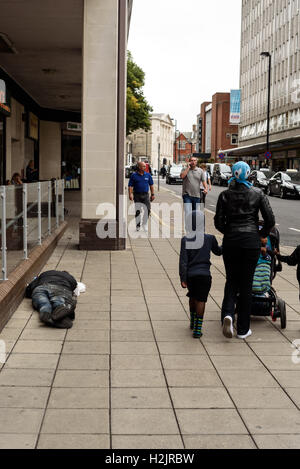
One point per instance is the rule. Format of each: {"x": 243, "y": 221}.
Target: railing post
{"x": 3, "y": 234}
{"x": 39, "y": 214}
{"x": 49, "y": 206}
{"x": 56, "y": 203}
{"x": 25, "y": 222}
{"x": 63, "y": 200}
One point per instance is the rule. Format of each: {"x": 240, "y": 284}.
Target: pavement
{"x": 129, "y": 375}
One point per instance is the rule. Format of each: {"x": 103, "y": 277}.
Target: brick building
{"x": 185, "y": 146}
{"x": 217, "y": 132}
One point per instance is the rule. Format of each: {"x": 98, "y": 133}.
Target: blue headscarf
{"x": 240, "y": 172}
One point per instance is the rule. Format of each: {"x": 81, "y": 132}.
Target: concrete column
{"x": 50, "y": 150}
{"x": 103, "y": 117}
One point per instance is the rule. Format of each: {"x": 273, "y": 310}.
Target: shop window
{"x": 234, "y": 139}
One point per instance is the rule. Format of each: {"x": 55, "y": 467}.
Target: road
{"x": 287, "y": 212}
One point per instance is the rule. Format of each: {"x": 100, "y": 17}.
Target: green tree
{"x": 138, "y": 109}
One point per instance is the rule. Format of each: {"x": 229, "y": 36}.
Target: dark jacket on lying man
{"x": 63, "y": 279}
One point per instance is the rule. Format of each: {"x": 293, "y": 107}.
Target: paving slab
{"x": 144, "y": 422}
{"x": 140, "y": 398}
{"x": 77, "y": 442}
{"x": 77, "y": 421}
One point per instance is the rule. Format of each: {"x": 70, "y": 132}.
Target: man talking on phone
{"x": 191, "y": 188}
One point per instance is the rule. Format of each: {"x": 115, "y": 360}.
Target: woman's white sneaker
{"x": 228, "y": 327}
{"x": 245, "y": 335}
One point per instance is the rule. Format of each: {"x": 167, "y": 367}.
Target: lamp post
{"x": 267, "y": 54}
{"x": 158, "y": 162}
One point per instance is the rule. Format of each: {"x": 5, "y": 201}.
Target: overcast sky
{"x": 188, "y": 49}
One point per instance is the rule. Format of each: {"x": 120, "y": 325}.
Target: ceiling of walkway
{"x": 47, "y": 35}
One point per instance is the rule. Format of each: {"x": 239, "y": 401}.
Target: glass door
{"x": 71, "y": 161}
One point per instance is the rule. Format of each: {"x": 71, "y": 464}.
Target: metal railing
{"x": 29, "y": 213}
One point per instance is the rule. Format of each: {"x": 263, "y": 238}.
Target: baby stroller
{"x": 268, "y": 303}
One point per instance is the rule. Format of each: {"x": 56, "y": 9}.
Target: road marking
{"x": 294, "y": 229}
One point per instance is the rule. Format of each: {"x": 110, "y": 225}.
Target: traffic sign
{"x": 268, "y": 155}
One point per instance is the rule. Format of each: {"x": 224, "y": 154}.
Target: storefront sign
{"x": 33, "y": 126}
{"x": 4, "y": 99}
{"x": 75, "y": 126}
{"x": 2, "y": 92}
{"x": 235, "y": 107}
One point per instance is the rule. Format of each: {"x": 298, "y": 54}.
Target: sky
{"x": 189, "y": 50}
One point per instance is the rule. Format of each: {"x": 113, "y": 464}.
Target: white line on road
{"x": 294, "y": 229}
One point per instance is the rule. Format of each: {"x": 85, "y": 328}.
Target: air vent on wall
{"x": 6, "y": 45}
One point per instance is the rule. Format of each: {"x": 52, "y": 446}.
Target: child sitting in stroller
{"x": 263, "y": 272}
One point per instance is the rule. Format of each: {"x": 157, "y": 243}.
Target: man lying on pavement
{"x": 52, "y": 296}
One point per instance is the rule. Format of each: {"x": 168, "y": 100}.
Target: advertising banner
{"x": 235, "y": 107}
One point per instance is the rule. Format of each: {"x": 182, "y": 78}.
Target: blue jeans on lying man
{"x": 47, "y": 297}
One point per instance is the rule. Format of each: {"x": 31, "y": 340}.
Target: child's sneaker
{"x": 198, "y": 327}
{"x": 228, "y": 327}
{"x": 244, "y": 336}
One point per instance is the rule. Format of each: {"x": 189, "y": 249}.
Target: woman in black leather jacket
{"x": 237, "y": 217}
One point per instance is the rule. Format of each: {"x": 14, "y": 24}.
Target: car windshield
{"x": 286, "y": 177}
{"x": 224, "y": 168}
{"x": 268, "y": 174}
{"x": 261, "y": 175}
{"x": 295, "y": 176}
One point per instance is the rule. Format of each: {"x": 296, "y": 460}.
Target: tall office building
{"x": 270, "y": 26}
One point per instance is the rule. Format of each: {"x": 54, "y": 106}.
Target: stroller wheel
{"x": 282, "y": 309}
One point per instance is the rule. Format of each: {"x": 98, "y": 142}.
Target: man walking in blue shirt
{"x": 138, "y": 187}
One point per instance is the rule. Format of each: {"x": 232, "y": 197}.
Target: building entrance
{"x": 71, "y": 161}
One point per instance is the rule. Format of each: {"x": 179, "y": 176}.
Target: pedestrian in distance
{"x": 192, "y": 177}
{"x": 208, "y": 182}
{"x": 31, "y": 172}
{"x": 293, "y": 259}
{"x": 16, "y": 180}
{"x": 237, "y": 218}
{"x": 139, "y": 184}
{"x": 194, "y": 269}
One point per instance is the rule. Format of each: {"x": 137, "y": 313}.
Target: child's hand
{"x": 276, "y": 251}
{"x": 263, "y": 251}
{"x": 184, "y": 284}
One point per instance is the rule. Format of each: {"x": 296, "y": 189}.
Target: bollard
{"x": 49, "y": 206}
{"x": 3, "y": 234}
{"x": 25, "y": 222}
{"x": 39, "y": 214}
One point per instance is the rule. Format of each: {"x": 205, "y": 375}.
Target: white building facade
{"x": 159, "y": 139}
{"x": 271, "y": 26}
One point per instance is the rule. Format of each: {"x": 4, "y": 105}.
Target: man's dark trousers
{"x": 142, "y": 201}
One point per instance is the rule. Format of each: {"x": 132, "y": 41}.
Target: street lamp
{"x": 175, "y": 139}
{"x": 267, "y": 54}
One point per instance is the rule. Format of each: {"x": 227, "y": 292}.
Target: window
{"x": 234, "y": 139}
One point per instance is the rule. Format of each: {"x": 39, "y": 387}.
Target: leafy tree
{"x": 138, "y": 109}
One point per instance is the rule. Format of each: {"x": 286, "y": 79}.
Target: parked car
{"x": 129, "y": 170}
{"x": 285, "y": 183}
{"x": 210, "y": 168}
{"x": 261, "y": 179}
{"x": 173, "y": 174}
{"x": 221, "y": 174}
